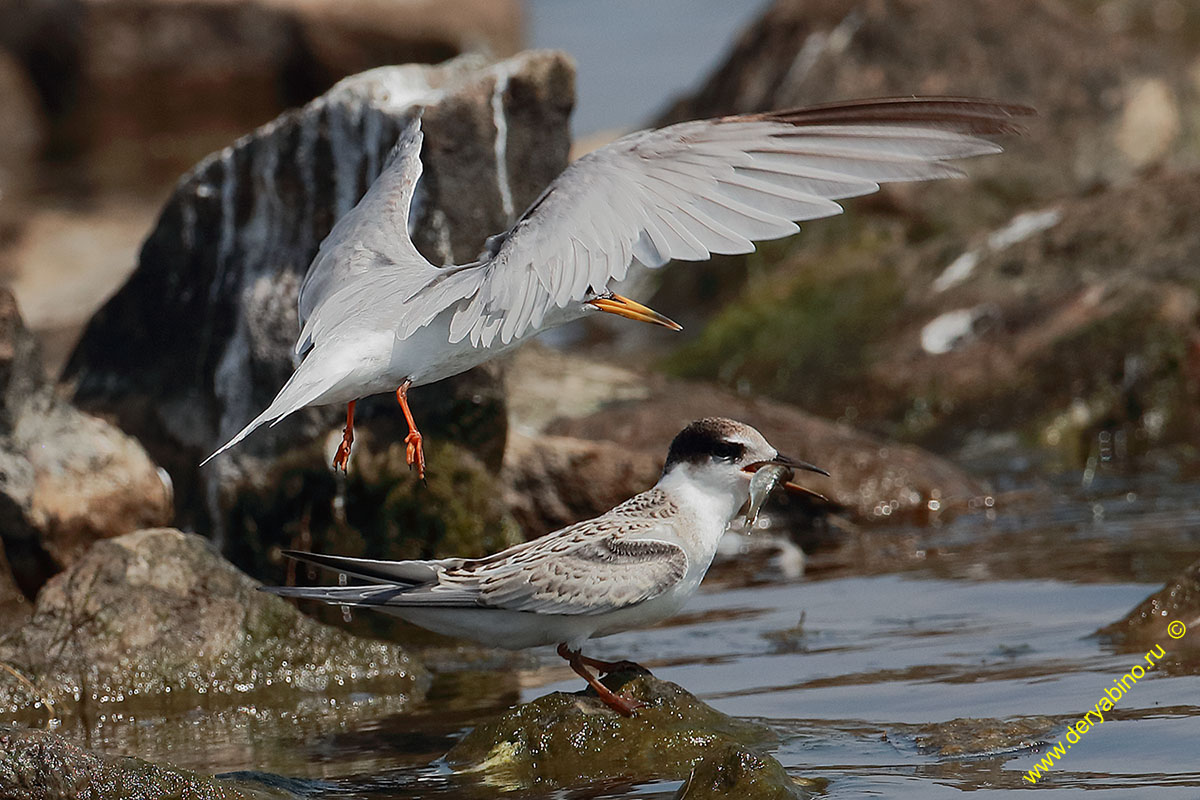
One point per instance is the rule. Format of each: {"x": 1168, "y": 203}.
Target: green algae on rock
{"x": 565, "y": 740}
{"x": 734, "y": 772}
{"x": 157, "y": 622}
{"x": 42, "y": 765}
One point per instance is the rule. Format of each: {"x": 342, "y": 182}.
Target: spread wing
{"x": 704, "y": 187}
{"x": 368, "y": 261}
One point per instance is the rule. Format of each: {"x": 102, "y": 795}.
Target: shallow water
{"x": 858, "y": 668}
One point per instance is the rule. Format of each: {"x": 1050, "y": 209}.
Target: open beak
{"x": 781, "y": 460}
{"x": 624, "y": 307}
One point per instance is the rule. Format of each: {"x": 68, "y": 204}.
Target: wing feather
{"x": 712, "y": 186}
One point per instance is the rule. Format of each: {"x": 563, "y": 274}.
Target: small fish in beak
{"x": 769, "y": 474}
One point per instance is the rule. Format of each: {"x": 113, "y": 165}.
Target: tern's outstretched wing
{"x": 369, "y": 252}
{"x": 711, "y": 186}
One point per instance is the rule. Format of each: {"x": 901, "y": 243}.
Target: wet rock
{"x": 572, "y": 740}
{"x": 156, "y": 622}
{"x": 66, "y": 478}
{"x": 1148, "y": 624}
{"x": 733, "y": 772}
{"x": 137, "y": 91}
{"x": 199, "y": 339}
{"x": 42, "y": 765}
{"x": 978, "y": 737}
{"x": 1074, "y": 324}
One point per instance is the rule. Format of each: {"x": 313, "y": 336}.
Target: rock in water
{"x": 200, "y": 337}
{"x": 1149, "y": 623}
{"x": 156, "y": 621}
{"x": 66, "y": 478}
{"x": 565, "y": 740}
{"x": 42, "y": 765}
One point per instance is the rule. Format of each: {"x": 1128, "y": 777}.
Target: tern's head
{"x": 719, "y": 455}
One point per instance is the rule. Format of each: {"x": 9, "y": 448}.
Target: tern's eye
{"x": 727, "y": 451}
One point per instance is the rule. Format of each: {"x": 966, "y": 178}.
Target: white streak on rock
{"x": 958, "y": 271}
{"x": 1019, "y": 228}
{"x": 500, "y": 120}
{"x": 227, "y": 237}
{"x": 1022, "y": 227}
{"x": 950, "y": 330}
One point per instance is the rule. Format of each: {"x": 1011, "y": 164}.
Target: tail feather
{"x": 374, "y": 595}
{"x": 307, "y": 386}
{"x": 408, "y": 573}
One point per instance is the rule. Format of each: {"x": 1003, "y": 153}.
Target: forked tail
{"x": 307, "y": 386}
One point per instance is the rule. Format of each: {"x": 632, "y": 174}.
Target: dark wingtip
{"x": 963, "y": 114}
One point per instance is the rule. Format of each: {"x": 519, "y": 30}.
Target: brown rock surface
{"x": 66, "y": 478}
{"x": 1077, "y": 324}
{"x": 1148, "y": 624}
{"x": 607, "y": 448}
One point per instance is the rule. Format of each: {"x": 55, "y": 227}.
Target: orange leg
{"x": 414, "y": 453}
{"x": 341, "y": 459}
{"x": 605, "y": 667}
{"x": 622, "y": 705}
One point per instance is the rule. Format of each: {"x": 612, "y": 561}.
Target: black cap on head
{"x": 704, "y": 440}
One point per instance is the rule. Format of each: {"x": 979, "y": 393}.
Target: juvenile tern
{"x": 627, "y": 568}
{"x": 377, "y": 317}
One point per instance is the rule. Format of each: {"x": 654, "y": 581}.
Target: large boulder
{"x": 1074, "y": 324}
{"x": 43, "y": 765}
{"x": 1111, "y": 104}
{"x": 1108, "y": 104}
{"x": 137, "y": 90}
{"x": 200, "y": 337}
{"x": 156, "y": 622}
{"x": 563, "y": 741}
{"x": 66, "y": 478}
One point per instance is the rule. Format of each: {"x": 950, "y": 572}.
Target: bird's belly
{"x": 428, "y": 355}
{"x": 495, "y": 627}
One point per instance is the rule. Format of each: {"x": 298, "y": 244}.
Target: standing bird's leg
{"x": 341, "y": 459}
{"x": 622, "y": 705}
{"x": 414, "y": 453}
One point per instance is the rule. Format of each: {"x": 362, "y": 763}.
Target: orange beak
{"x": 624, "y": 307}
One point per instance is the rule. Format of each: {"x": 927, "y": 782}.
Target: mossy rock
{"x": 566, "y": 740}
{"x": 379, "y": 509}
{"x": 156, "y": 622}
{"x": 41, "y": 765}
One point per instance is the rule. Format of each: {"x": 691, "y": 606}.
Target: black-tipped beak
{"x": 631, "y": 309}
{"x": 781, "y": 460}
{"x": 786, "y": 461}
